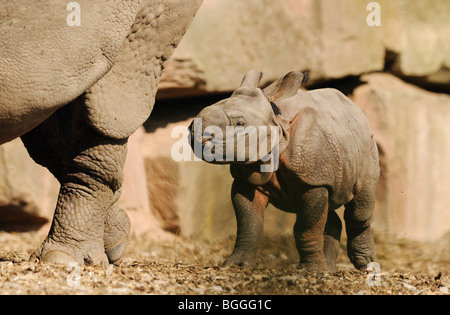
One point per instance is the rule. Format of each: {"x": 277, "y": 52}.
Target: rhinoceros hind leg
{"x": 117, "y": 230}
{"x": 89, "y": 167}
{"x": 358, "y": 216}
{"x": 332, "y": 238}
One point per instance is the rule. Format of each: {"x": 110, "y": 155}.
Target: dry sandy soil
{"x": 193, "y": 267}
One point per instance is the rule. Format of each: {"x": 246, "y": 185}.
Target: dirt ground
{"x": 193, "y": 267}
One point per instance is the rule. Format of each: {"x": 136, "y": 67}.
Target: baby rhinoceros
{"x": 327, "y": 158}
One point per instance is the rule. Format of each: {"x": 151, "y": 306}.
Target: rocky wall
{"x": 333, "y": 41}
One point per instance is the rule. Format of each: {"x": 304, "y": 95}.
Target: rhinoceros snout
{"x": 191, "y": 128}
{"x": 197, "y": 132}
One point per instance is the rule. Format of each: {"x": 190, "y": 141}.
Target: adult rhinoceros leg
{"x": 87, "y": 227}
{"x": 117, "y": 230}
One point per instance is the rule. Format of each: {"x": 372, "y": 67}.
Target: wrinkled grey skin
{"x": 74, "y": 94}
{"x": 328, "y": 158}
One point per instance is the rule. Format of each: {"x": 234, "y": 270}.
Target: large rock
{"x": 229, "y": 37}
{"x": 27, "y": 191}
{"x": 416, "y": 36}
{"x": 411, "y": 127}
{"x": 331, "y": 38}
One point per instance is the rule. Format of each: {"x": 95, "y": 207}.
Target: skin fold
{"x": 74, "y": 94}
{"x": 327, "y": 159}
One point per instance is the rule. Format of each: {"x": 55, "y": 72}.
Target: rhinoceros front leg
{"x": 88, "y": 227}
{"x": 310, "y": 227}
{"x": 249, "y": 206}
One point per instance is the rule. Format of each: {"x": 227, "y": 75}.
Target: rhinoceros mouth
{"x": 206, "y": 140}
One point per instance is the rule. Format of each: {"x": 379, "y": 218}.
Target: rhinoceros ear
{"x": 252, "y": 79}
{"x": 285, "y": 87}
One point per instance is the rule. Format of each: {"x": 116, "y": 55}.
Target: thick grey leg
{"x": 358, "y": 216}
{"x": 89, "y": 167}
{"x": 249, "y": 206}
{"x": 332, "y": 237}
{"x": 309, "y": 229}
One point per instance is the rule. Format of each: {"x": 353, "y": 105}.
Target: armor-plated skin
{"x": 327, "y": 159}
{"x": 74, "y": 94}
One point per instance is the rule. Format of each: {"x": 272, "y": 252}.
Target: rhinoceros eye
{"x": 240, "y": 124}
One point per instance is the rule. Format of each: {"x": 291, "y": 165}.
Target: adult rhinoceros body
{"x": 327, "y": 158}
{"x": 75, "y": 92}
